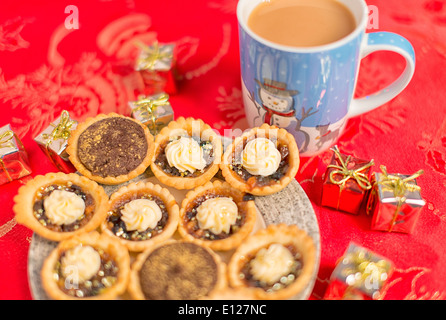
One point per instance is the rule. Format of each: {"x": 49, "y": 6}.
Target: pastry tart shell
{"x": 134, "y": 287}
{"x": 147, "y": 188}
{"x": 206, "y": 132}
{"x": 225, "y": 189}
{"x": 98, "y": 241}
{"x": 25, "y": 199}
{"x": 72, "y": 150}
{"x": 281, "y": 234}
{"x": 283, "y": 137}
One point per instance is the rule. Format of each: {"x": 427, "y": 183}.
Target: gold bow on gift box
{"x": 147, "y": 107}
{"x": 150, "y": 55}
{"x": 60, "y": 131}
{"x": 356, "y": 174}
{"x": 365, "y": 271}
{"x": 399, "y": 186}
{"x": 5, "y": 142}
{"x": 346, "y": 174}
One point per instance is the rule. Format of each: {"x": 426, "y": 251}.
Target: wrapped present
{"x": 13, "y": 156}
{"x": 359, "y": 275}
{"x": 154, "y": 111}
{"x": 157, "y": 67}
{"x": 395, "y": 201}
{"x": 346, "y": 182}
{"x": 54, "y": 139}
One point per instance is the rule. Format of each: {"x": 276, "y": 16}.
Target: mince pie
{"x": 187, "y": 153}
{"x": 275, "y": 263}
{"x": 176, "y": 270}
{"x": 261, "y": 161}
{"x": 58, "y": 205}
{"x": 217, "y": 216}
{"x": 86, "y": 266}
{"x": 111, "y": 149}
{"x": 141, "y": 214}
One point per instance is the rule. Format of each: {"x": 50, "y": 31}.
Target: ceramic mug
{"x": 309, "y": 90}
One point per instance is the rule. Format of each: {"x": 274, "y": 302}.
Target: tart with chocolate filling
{"x": 275, "y": 263}
{"x": 111, "y": 149}
{"x": 187, "y": 153}
{"x": 86, "y": 266}
{"x": 58, "y": 205}
{"x": 141, "y": 214}
{"x": 176, "y": 270}
{"x": 261, "y": 161}
{"x": 217, "y": 216}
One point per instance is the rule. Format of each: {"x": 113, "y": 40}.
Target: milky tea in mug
{"x": 301, "y": 23}
{"x": 300, "y": 62}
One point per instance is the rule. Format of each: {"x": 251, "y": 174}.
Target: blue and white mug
{"x": 309, "y": 90}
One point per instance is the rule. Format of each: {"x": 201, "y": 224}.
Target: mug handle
{"x": 385, "y": 41}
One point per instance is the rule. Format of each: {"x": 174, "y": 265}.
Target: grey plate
{"x": 290, "y": 206}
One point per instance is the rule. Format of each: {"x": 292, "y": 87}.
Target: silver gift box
{"x": 156, "y": 118}
{"x": 55, "y": 148}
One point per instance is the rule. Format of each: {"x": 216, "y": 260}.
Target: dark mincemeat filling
{"x": 208, "y": 155}
{"x": 103, "y": 279}
{"x": 118, "y": 227}
{"x": 193, "y": 226}
{"x": 257, "y": 180}
{"x": 39, "y": 209}
{"x": 284, "y": 281}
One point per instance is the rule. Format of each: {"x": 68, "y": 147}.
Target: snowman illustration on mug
{"x": 277, "y": 108}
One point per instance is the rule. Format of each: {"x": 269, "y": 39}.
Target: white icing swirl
{"x": 217, "y": 214}
{"x": 63, "y": 207}
{"x": 80, "y": 263}
{"x": 141, "y": 214}
{"x": 185, "y": 154}
{"x": 269, "y": 265}
{"x": 261, "y": 157}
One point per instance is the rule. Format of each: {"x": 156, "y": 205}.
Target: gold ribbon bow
{"x": 365, "y": 273}
{"x": 399, "y": 186}
{"x": 152, "y": 55}
{"x": 5, "y": 142}
{"x": 60, "y": 131}
{"x": 5, "y": 139}
{"x": 148, "y": 106}
{"x": 360, "y": 177}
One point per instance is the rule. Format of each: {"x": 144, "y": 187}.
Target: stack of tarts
{"x": 138, "y": 240}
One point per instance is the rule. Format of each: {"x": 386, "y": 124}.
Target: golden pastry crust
{"x": 246, "y": 210}
{"x": 27, "y": 196}
{"x": 286, "y": 235}
{"x": 180, "y": 263}
{"x": 110, "y": 246}
{"x": 135, "y": 191}
{"x": 267, "y": 131}
{"x": 232, "y": 294}
{"x": 206, "y": 133}
{"x": 73, "y": 145}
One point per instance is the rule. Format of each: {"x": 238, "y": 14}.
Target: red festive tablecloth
{"x": 46, "y": 68}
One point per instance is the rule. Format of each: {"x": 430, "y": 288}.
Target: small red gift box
{"x": 346, "y": 182}
{"x": 14, "y": 161}
{"x": 395, "y": 202}
{"x": 359, "y": 275}
{"x": 157, "y": 67}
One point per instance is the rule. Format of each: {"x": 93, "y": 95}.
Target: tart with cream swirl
{"x": 141, "y": 214}
{"x": 261, "y": 161}
{"x": 275, "y": 263}
{"x": 187, "y": 153}
{"x": 217, "y": 216}
{"x": 86, "y": 266}
{"x": 58, "y": 205}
